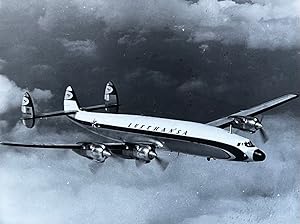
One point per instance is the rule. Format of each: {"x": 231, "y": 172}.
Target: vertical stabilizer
{"x": 70, "y": 100}
{"x": 27, "y": 108}
{"x": 111, "y": 98}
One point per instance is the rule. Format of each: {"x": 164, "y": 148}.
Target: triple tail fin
{"x": 71, "y": 105}
{"x": 111, "y": 98}
{"x": 70, "y": 101}
{"x": 27, "y": 108}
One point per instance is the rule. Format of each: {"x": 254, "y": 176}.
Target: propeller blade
{"x": 139, "y": 163}
{"x": 263, "y": 135}
{"x": 94, "y": 166}
{"x": 163, "y": 164}
{"x": 261, "y": 118}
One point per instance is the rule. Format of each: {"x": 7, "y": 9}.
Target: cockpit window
{"x": 249, "y": 144}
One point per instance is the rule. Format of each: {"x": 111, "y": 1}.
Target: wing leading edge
{"x": 253, "y": 111}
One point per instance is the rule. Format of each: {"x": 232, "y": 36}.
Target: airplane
{"x": 143, "y": 136}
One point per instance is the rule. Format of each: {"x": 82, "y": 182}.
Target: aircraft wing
{"x": 43, "y": 146}
{"x": 79, "y": 145}
{"x": 142, "y": 152}
{"x": 253, "y": 111}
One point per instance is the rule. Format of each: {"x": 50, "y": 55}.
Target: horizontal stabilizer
{"x": 98, "y": 107}
{"x": 62, "y": 112}
{"x": 71, "y": 106}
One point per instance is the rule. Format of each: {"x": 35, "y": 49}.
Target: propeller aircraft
{"x": 142, "y": 137}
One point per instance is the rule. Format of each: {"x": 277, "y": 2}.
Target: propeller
{"x": 262, "y": 132}
{"x": 163, "y": 164}
{"x": 94, "y": 166}
{"x": 263, "y": 135}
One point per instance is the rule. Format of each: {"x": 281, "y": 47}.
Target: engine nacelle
{"x": 144, "y": 152}
{"x": 96, "y": 152}
{"x": 246, "y": 123}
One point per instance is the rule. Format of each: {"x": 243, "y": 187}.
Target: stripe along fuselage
{"x": 180, "y": 136}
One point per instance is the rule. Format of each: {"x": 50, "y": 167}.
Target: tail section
{"x": 71, "y": 105}
{"x": 111, "y": 98}
{"x": 28, "y": 114}
{"x": 70, "y": 100}
{"x": 27, "y": 108}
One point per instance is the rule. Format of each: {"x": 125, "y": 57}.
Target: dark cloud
{"x": 2, "y": 64}
{"x": 261, "y": 24}
{"x": 192, "y": 60}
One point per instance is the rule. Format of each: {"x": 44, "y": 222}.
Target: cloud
{"x": 2, "y": 63}
{"x": 156, "y": 78}
{"x": 131, "y": 40}
{"x": 80, "y": 47}
{"x": 193, "y": 86}
{"x": 11, "y": 94}
{"x": 191, "y": 190}
{"x": 260, "y": 24}
{"x": 42, "y": 70}
{"x": 41, "y": 95}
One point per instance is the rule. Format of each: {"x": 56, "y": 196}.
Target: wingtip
{"x": 294, "y": 95}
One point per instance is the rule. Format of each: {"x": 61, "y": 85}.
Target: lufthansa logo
{"x": 68, "y": 96}
{"x": 174, "y": 131}
{"x": 109, "y": 89}
{"x": 25, "y": 101}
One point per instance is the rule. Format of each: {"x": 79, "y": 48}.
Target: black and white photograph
{"x": 149, "y": 111}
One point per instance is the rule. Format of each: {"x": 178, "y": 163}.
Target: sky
{"x": 191, "y": 60}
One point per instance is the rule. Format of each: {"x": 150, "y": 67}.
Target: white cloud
{"x": 41, "y": 95}
{"x": 11, "y": 94}
{"x": 191, "y": 190}
{"x": 80, "y": 47}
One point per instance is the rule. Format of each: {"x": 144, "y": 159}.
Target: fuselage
{"x": 176, "y": 135}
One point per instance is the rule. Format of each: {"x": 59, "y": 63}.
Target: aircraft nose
{"x": 259, "y": 155}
